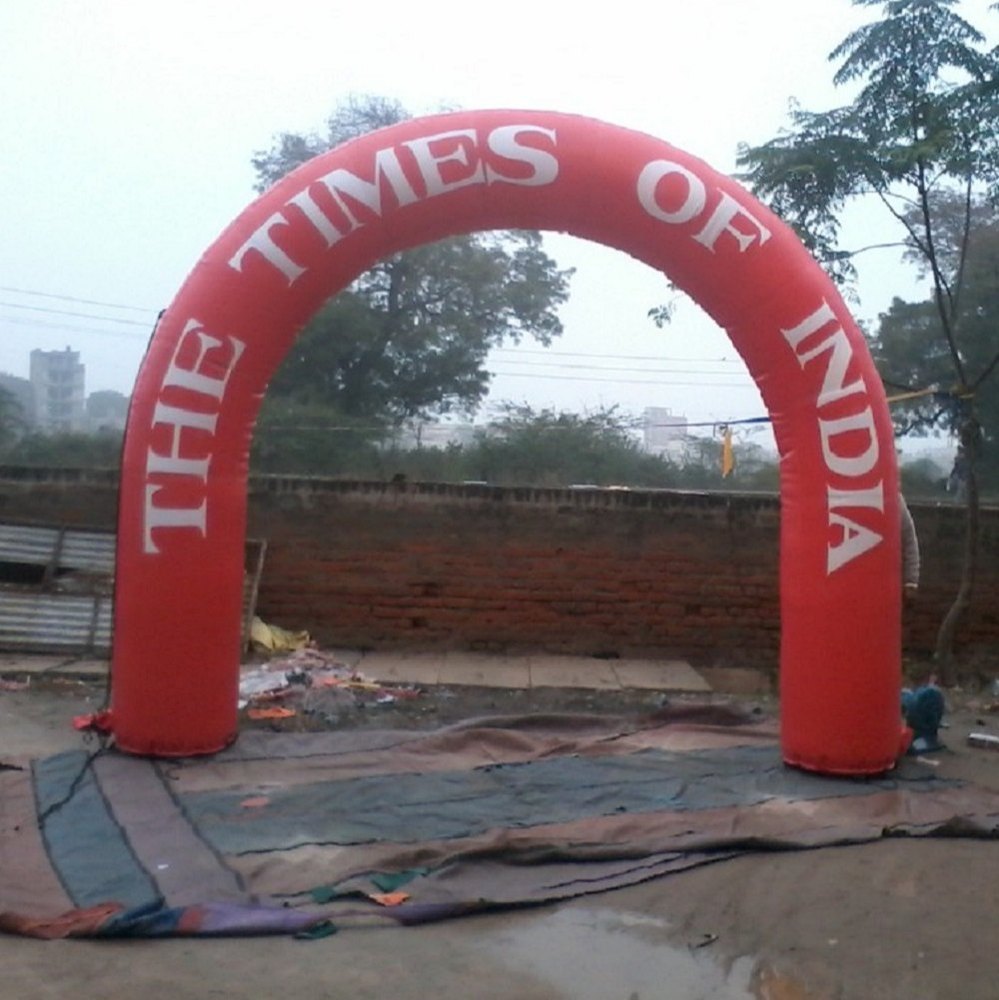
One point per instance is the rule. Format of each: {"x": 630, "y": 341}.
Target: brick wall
{"x": 486, "y": 568}
{"x": 82, "y": 498}
{"x": 422, "y": 566}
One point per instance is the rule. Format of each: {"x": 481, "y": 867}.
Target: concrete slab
{"x": 82, "y": 668}
{"x": 37, "y": 664}
{"x": 474, "y": 669}
{"x": 28, "y": 663}
{"x": 659, "y": 675}
{"x": 485, "y": 670}
{"x": 740, "y": 680}
{"x": 402, "y": 668}
{"x": 348, "y": 657}
{"x": 572, "y": 672}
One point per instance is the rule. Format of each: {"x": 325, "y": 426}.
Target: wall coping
{"x": 582, "y": 497}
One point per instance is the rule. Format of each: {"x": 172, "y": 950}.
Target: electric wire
{"x": 71, "y": 328}
{"x": 68, "y": 312}
{"x": 515, "y": 360}
{"x": 628, "y": 381}
{"x": 74, "y": 298}
{"x": 609, "y": 368}
{"x": 615, "y": 357}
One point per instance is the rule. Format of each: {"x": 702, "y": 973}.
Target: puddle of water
{"x": 601, "y": 954}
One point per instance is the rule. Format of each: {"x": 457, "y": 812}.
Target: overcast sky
{"x": 128, "y": 129}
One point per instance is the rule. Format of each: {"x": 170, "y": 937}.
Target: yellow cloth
{"x": 272, "y": 639}
{"x": 728, "y": 459}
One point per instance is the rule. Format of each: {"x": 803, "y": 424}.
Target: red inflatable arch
{"x": 182, "y": 511}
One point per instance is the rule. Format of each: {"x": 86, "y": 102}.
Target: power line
{"x": 617, "y": 357}
{"x": 629, "y": 381}
{"x": 73, "y": 298}
{"x": 24, "y": 321}
{"x": 67, "y": 312}
{"x": 501, "y": 350}
{"x": 609, "y": 368}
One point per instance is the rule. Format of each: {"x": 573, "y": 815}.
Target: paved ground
{"x": 883, "y": 921}
{"x": 467, "y": 669}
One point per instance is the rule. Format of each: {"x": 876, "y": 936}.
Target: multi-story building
{"x": 58, "y": 391}
{"x": 664, "y": 432}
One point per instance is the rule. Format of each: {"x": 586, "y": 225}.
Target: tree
{"x": 921, "y": 132}
{"x": 67, "y": 450}
{"x": 11, "y": 419}
{"x": 911, "y": 349}
{"x": 295, "y": 437}
{"x": 922, "y": 477}
{"x": 410, "y": 337}
{"x": 552, "y": 448}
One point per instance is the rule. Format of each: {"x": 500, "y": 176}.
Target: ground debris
{"x": 314, "y": 685}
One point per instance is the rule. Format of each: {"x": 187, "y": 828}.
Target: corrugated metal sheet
{"x": 34, "y": 621}
{"x": 88, "y": 551}
{"x": 70, "y": 609}
{"x": 61, "y": 548}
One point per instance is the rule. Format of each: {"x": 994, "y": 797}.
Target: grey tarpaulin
{"x": 283, "y": 830}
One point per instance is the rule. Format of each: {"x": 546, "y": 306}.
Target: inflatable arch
{"x": 182, "y": 507}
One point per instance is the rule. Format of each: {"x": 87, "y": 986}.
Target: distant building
{"x": 435, "y": 435}
{"x": 107, "y": 410}
{"x": 664, "y": 432}
{"x": 58, "y": 391}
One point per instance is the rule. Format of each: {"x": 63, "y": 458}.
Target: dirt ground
{"x": 894, "y": 919}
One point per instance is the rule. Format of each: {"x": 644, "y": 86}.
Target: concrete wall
{"x": 613, "y": 572}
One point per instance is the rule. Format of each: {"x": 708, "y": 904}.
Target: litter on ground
{"x": 318, "y": 683}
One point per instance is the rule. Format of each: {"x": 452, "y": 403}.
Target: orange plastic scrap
{"x": 255, "y": 802}
{"x": 99, "y": 722}
{"x": 389, "y": 898}
{"x": 270, "y": 713}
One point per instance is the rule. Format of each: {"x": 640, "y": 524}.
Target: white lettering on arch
{"x": 201, "y": 367}
{"x": 648, "y": 192}
{"x": 444, "y": 162}
{"x": 849, "y": 441}
{"x": 503, "y": 142}
{"x": 720, "y": 222}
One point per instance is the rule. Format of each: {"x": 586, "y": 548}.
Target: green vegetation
{"x": 920, "y": 141}
{"x": 410, "y": 337}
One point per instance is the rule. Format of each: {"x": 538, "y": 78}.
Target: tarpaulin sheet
{"x": 285, "y": 832}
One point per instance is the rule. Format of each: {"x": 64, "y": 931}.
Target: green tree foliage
{"x": 410, "y": 337}
{"x": 922, "y": 479}
{"x": 522, "y": 447}
{"x": 305, "y": 438}
{"x": 922, "y": 122}
{"x": 66, "y": 451}
{"x": 21, "y": 446}
{"x": 551, "y": 448}
{"x": 912, "y": 351}
{"x": 11, "y": 420}
{"x": 922, "y": 131}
